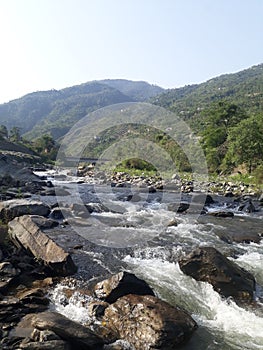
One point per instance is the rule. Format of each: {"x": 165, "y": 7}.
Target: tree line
{"x": 45, "y": 146}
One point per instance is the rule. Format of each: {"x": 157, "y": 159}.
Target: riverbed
{"x": 144, "y": 237}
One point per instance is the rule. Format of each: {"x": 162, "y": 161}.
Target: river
{"x": 139, "y": 237}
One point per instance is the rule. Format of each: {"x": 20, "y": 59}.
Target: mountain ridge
{"x": 55, "y": 111}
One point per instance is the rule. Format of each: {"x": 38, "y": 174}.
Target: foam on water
{"x": 239, "y": 328}
{"x": 74, "y": 307}
{"x": 252, "y": 260}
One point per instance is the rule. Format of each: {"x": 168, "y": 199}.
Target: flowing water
{"x": 141, "y": 241}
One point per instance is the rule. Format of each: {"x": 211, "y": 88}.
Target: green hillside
{"x": 55, "y": 112}
{"x": 138, "y": 90}
{"x": 227, "y": 114}
{"x": 244, "y": 89}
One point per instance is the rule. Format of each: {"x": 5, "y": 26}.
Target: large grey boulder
{"x": 27, "y": 232}
{"x": 18, "y": 207}
{"x": 79, "y": 336}
{"x": 147, "y": 322}
{"x": 227, "y": 278}
{"x": 121, "y": 284}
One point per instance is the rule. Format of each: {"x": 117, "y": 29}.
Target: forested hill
{"x": 244, "y": 89}
{"x": 54, "y": 112}
{"x": 227, "y": 114}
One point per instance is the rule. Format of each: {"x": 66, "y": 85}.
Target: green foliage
{"x": 46, "y": 147}
{"x": 246, "y": 143}
{"x": 15, "y": 134}
{"x": 244, "y": 89}
{"x": 132, "y": 131}
{"x": 217, "y": 122}
{"x": 3, "y": 132}
{"x": 139, "y": 164}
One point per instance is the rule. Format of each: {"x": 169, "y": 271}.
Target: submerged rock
{"x": 147, "y": 322}
{"x": 119, "y": 285}
{"x": 209, "y": 265}
{"x": 221, "y": 214}
{"x": 25, "y": 232}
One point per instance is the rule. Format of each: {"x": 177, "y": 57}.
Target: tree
{"x": 15, "y": 134}
{"x": 246, "y": 143}
{"x": 44, "y": 144}
{"x": 219, "y": 119}
{"x": 3, "y": 132}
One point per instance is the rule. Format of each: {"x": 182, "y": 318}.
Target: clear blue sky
{"x": 49, "y": 44}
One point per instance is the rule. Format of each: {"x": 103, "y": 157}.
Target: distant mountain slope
{"x": 56, "y": 111}
{"x": 244, "y": 88}
{"x": 138, "y": 90}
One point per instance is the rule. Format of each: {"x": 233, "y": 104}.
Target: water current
{"x": 145, "y": 244}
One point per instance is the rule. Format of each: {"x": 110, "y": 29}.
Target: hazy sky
{"x": 49, "y": 44}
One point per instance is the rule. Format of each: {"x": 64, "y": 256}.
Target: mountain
{"x": 244, "y": 89}
{"x": 56, "y": 111}
{"x": 138, "y": 90}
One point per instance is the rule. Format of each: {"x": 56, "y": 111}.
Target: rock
{"x": 60, "y": 213}
{"x": 96, "y": 308}
{"x": 7, "y": 269}
{"x": 221, "y": 214}
{"x": 61, "y": 191}
{"x": 33, "y": 186}
{"x": 119, "y": 285}
{"x": 79, "y": 336}
{"x": 205, "y": 199}
{"x": 209, "y": 265}
{"x": 80, "y": 210}
{"x": 119, "y": 345}
{"x": 47, "y": 345}
{"x": 178, "y": 207}
{"x": 239, "y": 237}
{"x": 43, "y": 223}
{"x": 48, "y": 192}
{"x": 173, "y": 222}
{"x": 246, "y": 205}
{"x": 147, "y": 322}
{"x": 24, "y": 232}
{"x": 18, "y": 207}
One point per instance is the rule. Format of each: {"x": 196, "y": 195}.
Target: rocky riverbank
{"x": 221, "y": 187}
{"x": 38, "y": 249}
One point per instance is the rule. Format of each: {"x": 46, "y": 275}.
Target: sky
{"x": 53, "y": 44}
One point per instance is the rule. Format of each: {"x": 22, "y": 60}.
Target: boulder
{"x": 178, "y": 207}
{"x": 227, "y": 278}
{"x": 25, "y": 232}
{"x": 205, "y": 199}
{"x": 119, "y": 285}
{"x": 79, "y": 336}
{"x": 239, "y": 237}
{"x": 246, "y": 205}
{"x": 18, "y": 207}
{"x": 7, "y": 275}
{"x": 147, "y": 322}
